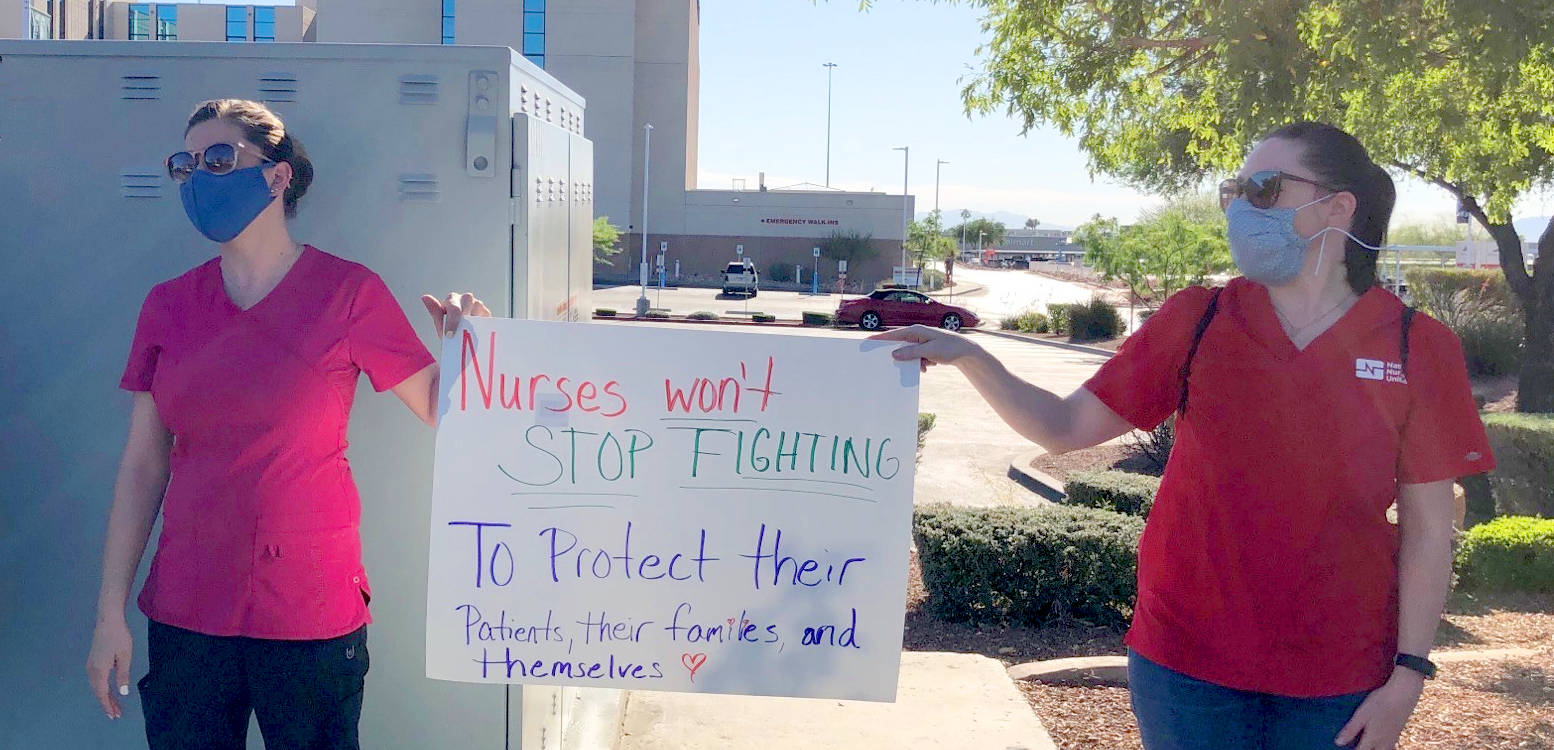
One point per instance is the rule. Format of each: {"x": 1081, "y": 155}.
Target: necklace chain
{"x": 1297, "y": 330}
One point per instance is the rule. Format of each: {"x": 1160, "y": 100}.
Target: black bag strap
{"x": 1192, "y": 351}
{"x": 1408, "y": 322}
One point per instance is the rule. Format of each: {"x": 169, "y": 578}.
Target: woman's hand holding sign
{"x": 447, "y": 313}
{"x": 1056, "y": 423}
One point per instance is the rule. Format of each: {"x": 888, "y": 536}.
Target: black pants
{"x": 202, "y": 688}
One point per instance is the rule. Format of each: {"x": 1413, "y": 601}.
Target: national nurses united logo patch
{"x": 1375, "y": 369}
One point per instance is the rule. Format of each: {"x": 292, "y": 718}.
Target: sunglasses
{"x": 1261, "y": 189}
{"x": 218, "y": 159}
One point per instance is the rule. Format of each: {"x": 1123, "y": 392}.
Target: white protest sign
{"x": 634, "y": 507}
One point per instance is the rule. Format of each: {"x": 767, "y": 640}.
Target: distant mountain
{"x": 1010, "y": 220}
{"x": 1531, "y": 228}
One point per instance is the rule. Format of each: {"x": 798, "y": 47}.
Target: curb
{"x": 1113, "y": 670}
{"x": 1045, "y": 342}
{"x": 1038, "y": 482}
{"x": 970, "y": 289}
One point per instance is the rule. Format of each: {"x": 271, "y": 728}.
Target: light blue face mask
{"x": 1266, "y": 247}
{"x": 1264, "y": 243}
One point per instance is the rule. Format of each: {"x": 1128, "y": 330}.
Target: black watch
{"x": 1418, "y": 664}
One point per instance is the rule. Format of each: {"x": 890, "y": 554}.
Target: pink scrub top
{"x": 260, "y": 519}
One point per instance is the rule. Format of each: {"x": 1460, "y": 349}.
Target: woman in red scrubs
{"x": 1277, "y": 606}
{"x": 243, "y": 372}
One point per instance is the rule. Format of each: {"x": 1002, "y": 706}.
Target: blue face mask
{"x": 222, "y": 206}
{"x": 1264, "y": 243}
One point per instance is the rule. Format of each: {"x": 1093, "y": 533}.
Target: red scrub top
{"x": 260, "y": 518}
{"x": 1268, "y": 563}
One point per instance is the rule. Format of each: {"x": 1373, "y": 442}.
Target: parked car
{"x": 902, "y": 307}
{"x": 741, "y": 278}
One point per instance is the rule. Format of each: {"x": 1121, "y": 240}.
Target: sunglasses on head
{"x": 1261, "y": 189}
{"x": 217, "y": 159}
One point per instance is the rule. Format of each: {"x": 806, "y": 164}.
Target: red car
{"x": 903, "y": 307}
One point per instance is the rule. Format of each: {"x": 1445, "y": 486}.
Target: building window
{"x": 447, "y": 21}
{"x": 534, "y": 31}
{"x": 140, "y": 21}
{"x": 167, "y": 23}
{"x": 264, "y": 24}
{"x": 237, "y": 23}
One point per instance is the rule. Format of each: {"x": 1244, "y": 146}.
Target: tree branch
{"x": 1509, "y": 243}
{"x": 1188, "y": 43}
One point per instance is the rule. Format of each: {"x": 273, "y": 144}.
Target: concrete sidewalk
{"x": 943, "y": 700}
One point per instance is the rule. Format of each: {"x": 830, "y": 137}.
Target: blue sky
{"x": 763, "y": 108}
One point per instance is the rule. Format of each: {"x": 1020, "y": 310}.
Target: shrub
{"x": 1479, "y": 307}
{"x": 657, "y": 314}
{"x": 1523, "y": 479}
{"x": 763, "y": 318}
{"x": 925, "y": 422}
{"x": 1143, "y": 315}
{"x": 1096, "y": 321}
{"x": 1028, "y": 565}
{"x": 933, "y": 280}
{"x": 702, "y": 315}
{"x": 818, "y": 318}
{"x": 1058, "y": 315}
{"x": 779, "y": 271}
{"x": 604, "y": 312}
{"x": 1112, "y": 490}
{"x": 1010, "y": 324}
{"x": 1510, "y": 552}
{"x": 1155, "y": 446}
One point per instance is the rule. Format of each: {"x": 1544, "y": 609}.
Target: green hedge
{"x": 933, "y": 280}
{"x": 1096, "y": 321}
{"x": 1523, "y": 479}
{"x": 1028, "y": 565}
{"x": 925, "y": 422}
{"x": 657, "y": 314}
{"x": 702, "y": 315}
{"x": 604, "y": 312}
{"x": 1120, "y": 491}
{"x": 763, "y": 318}
{"x": 818, "y": 319}
{"x": 1029, "y": 321}
{"x": 1480, "y": 308}
{"x": 1511, "y": 552}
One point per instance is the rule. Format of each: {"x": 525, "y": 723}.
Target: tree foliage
{"x": 1164, "y": 94}
{"x": 1169, "y": 248}
{"x": 927, "y": 241}
{"x": 992, "y": 231}
{"x": 607, "y": 238}
{"x": 853, "y": 247}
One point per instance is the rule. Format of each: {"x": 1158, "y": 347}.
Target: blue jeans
{"x": 1177, "y": 712}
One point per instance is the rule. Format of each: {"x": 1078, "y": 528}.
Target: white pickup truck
{"x": 741, "y": 278}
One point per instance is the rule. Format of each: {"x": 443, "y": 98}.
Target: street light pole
{"x": 647, "y": 141}
{"x": 906, "y": 163}
{"x": 936, "y": 167}
{"x": 830, "y": 66}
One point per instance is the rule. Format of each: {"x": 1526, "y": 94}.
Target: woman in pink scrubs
{"x": 243, "y": 372}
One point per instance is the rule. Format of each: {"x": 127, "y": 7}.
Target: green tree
{"x": 1164, "y": 93}
{"x": 1169, "y": 248}
{"x": 1032, "y": 223}
{"x": 607, "y": 238}
{"x": 1439, "y": 233}
{"x": 927, "y": 239}
{"x": 993, "y": 231}
{"x": 853, "y": 247}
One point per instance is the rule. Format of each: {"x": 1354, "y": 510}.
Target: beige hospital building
{"x": 634, "y": 61}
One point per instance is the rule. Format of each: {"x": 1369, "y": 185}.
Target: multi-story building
{"x": 635, "y": 61}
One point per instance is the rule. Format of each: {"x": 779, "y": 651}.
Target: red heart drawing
{"x": 693, "y": 662}
{"x": 731, "y": 622}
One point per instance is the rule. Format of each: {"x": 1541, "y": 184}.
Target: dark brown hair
{"x": 264, "y": 130}
{"x": 1338, "y": 159}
